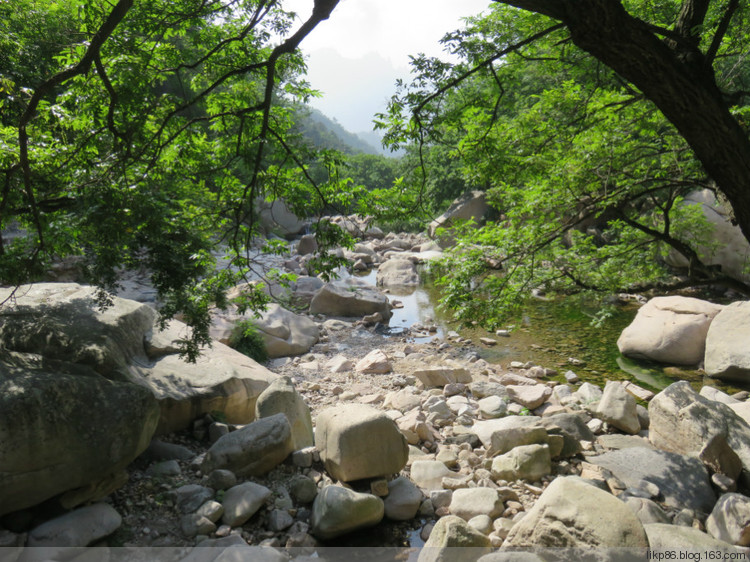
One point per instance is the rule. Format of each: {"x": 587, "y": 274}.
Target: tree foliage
{"x": 143, "y": 133}
{"x": 586, "y": 167}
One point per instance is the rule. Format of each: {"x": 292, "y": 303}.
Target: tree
{"x": 588, "y": 173}
{"x": 145, "y": 136}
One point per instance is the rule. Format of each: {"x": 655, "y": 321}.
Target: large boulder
{"x": 683, "y": 421}
{"x": 501, "y": 435}
{"x": 77, "y": 528}
{"x": 669, "y": 330}
{"x": 574, "y": 514}
{"x": 253, "y": 450}
{"x": 358, "y": 441}
{"x": 64, "y": 427}
{"x": 397, "y": 272}
{"x": 683, "y": 481}
{"x": 275, "y": 216}
{"x": 350, "y": 298}
{"x": 617, "y": 407}
{"x": 667, "y": 537}
{"x": 470, "y": 206}
{"x": 63, "y": 321}
{"x": 282, "y": 398}
{"x": 730, "y": 520}
{"x": 728, "y": 344}
{"x": 453, "y": 540}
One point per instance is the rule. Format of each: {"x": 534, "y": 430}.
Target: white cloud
{"x": 356, "y": 56}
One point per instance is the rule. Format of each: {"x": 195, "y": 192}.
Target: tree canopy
{"x": 145, "y": 134}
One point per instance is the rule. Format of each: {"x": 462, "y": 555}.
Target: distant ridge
{"x": 325, "y": 132}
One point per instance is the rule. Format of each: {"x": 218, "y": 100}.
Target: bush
{"x": 247, "y": 340}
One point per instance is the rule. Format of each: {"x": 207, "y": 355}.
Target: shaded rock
{"x": 284, "y": 332}
{"x": 252, "y": 450}
{"x": 303, "y": 489}
{"x": 525, "y": 462}
{"x": 470, "y": 502}
{"x": 573, "y": 430}
{"x": 683, "y": 481}
{"x": 730, "y": 520}
{"x": 337, "y": 511}
{"x": 684, "y": 422}
{"x": 728, "y": 344}
{"x": 358, "y": 441}
{"x": 64, "y": 427}
{"x": 397, "y": 272}
{"x": 242, "y": 501}
{"x": 307, "y": 245}
{"x": 403, "y": 500}
{"x": 669, "y": 330}
{"x": 77, "y": 528}
{"x": 194, "y": 524}
{"x": 472, "y": 205}
{"x": 190, "y": 497}
{"x": 282, "y": 398}
{"x": 571, "y": 513}
{"x": 618, "y": 408}
{"x": 350, "y": 298}
{"x": 221, "y": 479}
{"x": 161, "y": 451}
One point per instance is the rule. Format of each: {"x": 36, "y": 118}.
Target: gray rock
{"x": 221, "y": 479}
{"x": 77, "y": 528}
{"x": 358, "y": 441}
{"x": 493, "y": 407}
{"x": 190, "y": 497}
{"x": 303, "y": 489}
{"x": 243, "y": 501}
{"x": 669, "y": 330}
{"x": 428, "y": 474}
{"x": 618, "y": 408}
{"x": 403, "y": 499}
{"x": 307, "y": 245}
{"x": 65, "y": 427}
{"x": 284, "y": 332}
{"x": 350, "y": 298}
{"x": 588, "y": 393}
{"x": 211, "y": 510}
{"x": 164, "y": 468}
{"x": 684, "y": 422}
{"x": 470, "y": 502}
{"x": 573, "y": 514}
{"x": 397, "y": 272}
{"x": 253, "y": 450}
{"x": 482, "y": 389}
{"x": 194, "y": 524}
{"x": 728, "y": 344}
{"x": 663, "y": 536}
{"x": 282, "y": 398}
{"x": 453, "y": 540}
{"x": 525, "y": 462}
{"x": 162, "y": 451}
{"x": 730, "y": 520}
{"x": 501, "y": 435}
{"x": 337, "y": 511}
{"x": 573, "y": 429}
{"x": 472, "y": 205}
{"x": 683, "y": 481}
{"x": 530, "y": 397}
{"x": 278, "y": 520}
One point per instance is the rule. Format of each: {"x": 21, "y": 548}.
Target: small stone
{"x": 221, "y": 479}
{"x": 211, "y": 510}
{"x": 194, "y": 524}
{"x": 379, "y": 487}
{"x": 303, "y": 489}
{"x": 279, "y": 520}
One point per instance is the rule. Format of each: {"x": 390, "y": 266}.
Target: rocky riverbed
{"x": 353, "y": 438}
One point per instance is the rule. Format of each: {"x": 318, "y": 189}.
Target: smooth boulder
{"x": 728, "y": 344}
{"x": 66, "y": 428}
{"x": 573, "y": 514}
{"x": 284, "y": 332}
{"x": 669, "y": 330}
{"x": 358, "y": 441}
{"x": 397, "y": 272}
{"x": 282, "y": 398}
{"x": 253, "y": 450}
{"x": 337, "y": 511}
{"x": 350, "y": 298}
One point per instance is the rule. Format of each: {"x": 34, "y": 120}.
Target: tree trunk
{"x": 683, "y": 88}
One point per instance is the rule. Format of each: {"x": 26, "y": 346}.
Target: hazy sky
{"x": 355, "y": 57}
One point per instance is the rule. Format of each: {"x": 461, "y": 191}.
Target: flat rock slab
{"x": 682, "y": 480}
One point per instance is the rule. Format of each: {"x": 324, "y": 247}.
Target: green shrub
{"x": 247, "y": 340}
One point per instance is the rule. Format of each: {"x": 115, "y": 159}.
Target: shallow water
{"x": 549, "y": 333}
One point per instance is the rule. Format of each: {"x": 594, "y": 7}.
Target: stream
{"x": 549, "y": 333}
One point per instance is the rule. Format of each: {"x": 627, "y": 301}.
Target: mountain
{"x": 325, "y": 132}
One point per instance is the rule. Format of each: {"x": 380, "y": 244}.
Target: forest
{"x": 143, "y": 134}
